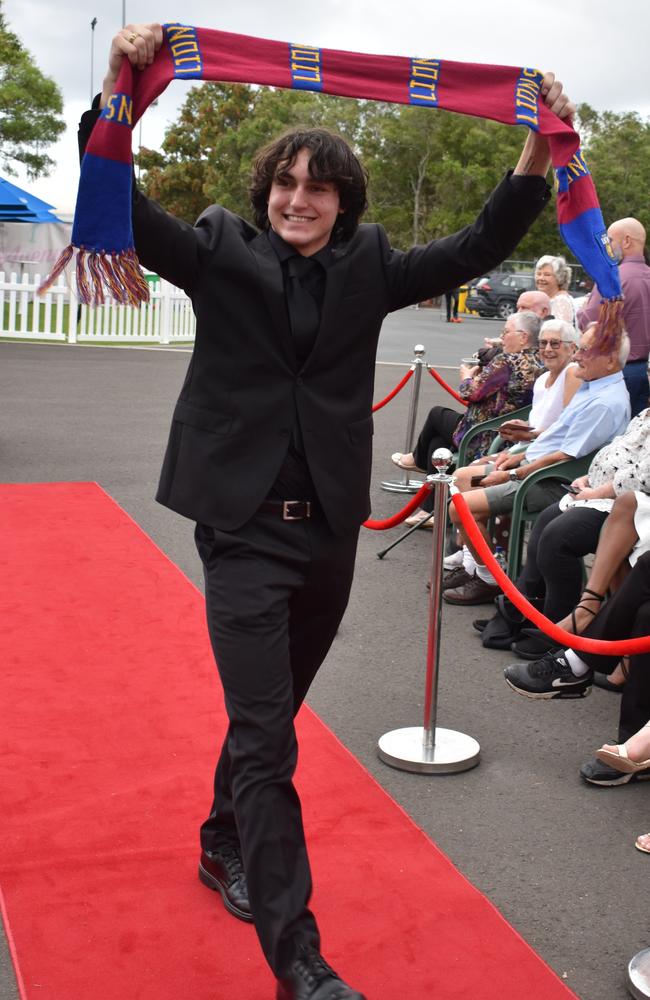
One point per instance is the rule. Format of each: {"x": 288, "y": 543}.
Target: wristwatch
{"x": 512, "y": 475}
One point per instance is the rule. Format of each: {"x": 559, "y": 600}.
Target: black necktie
{"x": 304, "y": 314}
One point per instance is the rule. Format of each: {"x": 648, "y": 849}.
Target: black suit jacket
{"x": 233, "y": 421}
{"x": 234, "y": 417}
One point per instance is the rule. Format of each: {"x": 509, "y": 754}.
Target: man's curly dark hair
{"x": 331, "y": 160}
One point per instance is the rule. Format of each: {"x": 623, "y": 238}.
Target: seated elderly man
{"x": 537, "y": 302}
{"x": 598, "y": 412}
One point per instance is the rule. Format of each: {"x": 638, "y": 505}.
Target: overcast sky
{"x": 597, "y": 48}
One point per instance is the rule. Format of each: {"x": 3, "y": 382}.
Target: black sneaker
{"x": 480, "y": 623}
{"x": 596, "y": 773}
{"x": 549, "y": 677}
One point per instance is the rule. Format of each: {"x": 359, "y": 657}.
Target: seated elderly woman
{"x": 565, "y": 532}
{"x": 553, "y": 276}
{"x": 599, "y": 411}
{"x": 553, "y": 390}
{"x": 503, "y": 384}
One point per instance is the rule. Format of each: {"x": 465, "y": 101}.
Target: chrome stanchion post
{"x": 406, "y": 484}
{"x": 638, "y": 975}
{"x": 428, "y": 749}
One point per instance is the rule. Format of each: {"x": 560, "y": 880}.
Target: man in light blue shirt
{"x": 598, "y": 412}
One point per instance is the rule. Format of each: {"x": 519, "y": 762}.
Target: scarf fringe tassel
{"x": 99, "y": 274}
{"x": 610, "y": 327}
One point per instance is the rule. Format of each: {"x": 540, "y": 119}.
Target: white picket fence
{"x": 167, "y": 318}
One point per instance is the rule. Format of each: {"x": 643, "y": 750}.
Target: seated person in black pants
{"x": 504, "y": 384}
{"x": 568, "y": 673}
{"x": 565, "y": 532}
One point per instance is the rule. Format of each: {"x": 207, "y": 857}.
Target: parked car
{"x": 497, "y": 294}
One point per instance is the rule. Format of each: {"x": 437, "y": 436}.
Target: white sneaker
{"x": 454, "y": 560}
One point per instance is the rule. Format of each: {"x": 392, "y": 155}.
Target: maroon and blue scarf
{"x": 102, "y": 234}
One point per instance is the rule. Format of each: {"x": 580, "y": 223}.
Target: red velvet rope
{"x": 604, "y": 647}
{"x": 396, "y": 519}
{"x": 445, "y": 385}
{"x": 391, "y": 395}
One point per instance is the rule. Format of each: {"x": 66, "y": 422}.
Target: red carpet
{"x": 112, "y": 719}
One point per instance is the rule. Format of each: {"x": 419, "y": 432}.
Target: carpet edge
{"x": 11, "y": 946}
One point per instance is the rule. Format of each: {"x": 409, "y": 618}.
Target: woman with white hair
{"x": 553, "y": 276}
{"x": 553, "y": 390}
{"x": 555, "y": 387}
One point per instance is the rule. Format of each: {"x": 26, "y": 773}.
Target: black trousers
{"x": 275, "y": 594}
{"x": 451, "y": 301}
{"x": 626, "y": 615}
{"x": 553, "y": 567}
{"x": 437, "y": 432}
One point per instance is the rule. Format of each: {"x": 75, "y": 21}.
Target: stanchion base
{"x": 638, "y": 975}
{"x": 405, "y": 750}
{"x": 392, "y": 486}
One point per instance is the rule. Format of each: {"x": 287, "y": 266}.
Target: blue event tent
{"x": 17, "y": 205}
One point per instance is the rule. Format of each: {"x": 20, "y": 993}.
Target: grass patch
{"x": 40, "y": 325}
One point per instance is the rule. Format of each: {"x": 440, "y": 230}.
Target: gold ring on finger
{"x": 132, "y": 37}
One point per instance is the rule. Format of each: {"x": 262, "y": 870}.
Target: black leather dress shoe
{"x": 223, "y": 870}
{"x": 532, "y": 644}
{"x": 311, "y": 978}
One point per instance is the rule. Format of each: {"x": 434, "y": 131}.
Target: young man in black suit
{"x": 270, "y": 454}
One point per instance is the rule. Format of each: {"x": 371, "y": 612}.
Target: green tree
{"x": 430, "y": 172}
{"x": 30, "y": 106}
{"x": 617, "y": 150}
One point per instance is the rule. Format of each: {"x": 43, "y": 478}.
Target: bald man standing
{"x": 627, "y": 237}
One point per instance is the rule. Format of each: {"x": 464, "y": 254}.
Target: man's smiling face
{"x": 301, "y": 209}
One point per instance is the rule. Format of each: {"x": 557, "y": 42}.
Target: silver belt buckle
{"x": 288, "y": 516}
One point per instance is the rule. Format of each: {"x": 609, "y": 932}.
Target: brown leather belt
{"x": 288, "y": 510}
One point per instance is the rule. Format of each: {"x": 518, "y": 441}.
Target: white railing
{"x": 167, "y": 317}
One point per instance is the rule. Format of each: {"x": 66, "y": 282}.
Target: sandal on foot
{"x": 642, "y": 843}
{"x": 593, "y": 596}
{"x": 605, "y": 682}
{"x": 620, "y": 760}
{"x": 421, "y": 519}
{"x": 405, "y": 462}
{"x": 602, "y": 681}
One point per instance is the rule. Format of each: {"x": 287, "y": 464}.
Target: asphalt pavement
{"x": 554, "y": 855}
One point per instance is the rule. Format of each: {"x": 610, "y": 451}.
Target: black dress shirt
{"x": 304, "y": 288}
